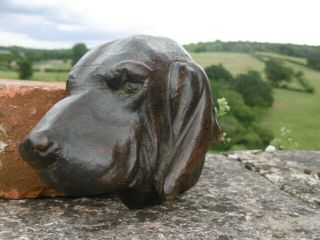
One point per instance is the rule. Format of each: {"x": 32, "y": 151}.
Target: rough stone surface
{"x": 295, "y": 172}
{"x": 22, "y": 104}
{"x": 229, "y": 202}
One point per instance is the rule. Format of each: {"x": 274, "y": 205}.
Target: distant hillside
{"x": 38, "y": 54}
{"x": 294, "y": 50}
{"x": 304, "y": 51}
{"x": 294, "y": 110}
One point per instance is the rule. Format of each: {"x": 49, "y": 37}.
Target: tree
{"x": 218, "y": 72}
{"x": 277, "y": 73}
{"x": 242, "y": 121}
{"x": 78, "y": 51}
{"x": 314, "y": 60}
{"x": 25, "y": 68}
{"x": 255, "y": 91}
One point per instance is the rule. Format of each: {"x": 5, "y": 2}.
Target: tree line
{"x": 40, "y": 54}
{"x": 24, "y": 57}
{"x": 311, "y": 53}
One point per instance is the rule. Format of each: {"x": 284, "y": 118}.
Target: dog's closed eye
{"x": 131, "y": 87}
{"x": 125, "y": 83}
{"x": 126, "y": 79}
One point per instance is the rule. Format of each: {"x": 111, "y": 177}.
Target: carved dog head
{"x": 138, "y": 120}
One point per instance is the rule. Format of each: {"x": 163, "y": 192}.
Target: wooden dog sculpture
{"x": 137, "y": 120}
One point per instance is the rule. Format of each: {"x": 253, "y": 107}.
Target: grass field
{"x": 41, "y": 74}
{"x": 297, "y": 111}
{"x": 53, "y": 64}
{"x": 37, "y": 76}
{"x": 300, "y": 112}
{"x": 234, "y": 62}
{"x": 297, "y": 60}
{"x": 8, "y": 74}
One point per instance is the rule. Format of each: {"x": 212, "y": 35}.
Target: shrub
{"x": 25, "y": 68}
{"x": 277, "y": 73}
{"x": 218, "y": 72}
{"x": 254, "y": 90}
{"x": 266, "y": 135}
{"x": 78, "y": 51}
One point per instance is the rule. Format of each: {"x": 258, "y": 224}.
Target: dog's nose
{"x": 37, "y": 148}
{"x": 38, "y": 141}
{"x": 41, "y": 142}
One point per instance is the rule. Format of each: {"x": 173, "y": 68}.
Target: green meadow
{"x": 297, "y": 111}
{"x": 234, "y": 62}
{"x": 37, "y": 76}
{"x": 47, "y": 70}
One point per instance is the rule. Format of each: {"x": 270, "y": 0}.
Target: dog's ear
{"x": 193, "y": 126}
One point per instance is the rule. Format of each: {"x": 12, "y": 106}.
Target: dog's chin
{"x": 77, "y": 180}
{"x": 76, "y": 185}
{"x": 76, "y": 190}
{"x": 75, "y": 175}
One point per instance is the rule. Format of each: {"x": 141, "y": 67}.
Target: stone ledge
{"x": 22, "y": 104}
{"x": 230, "y": 201}
{"x": 294, "y": 172}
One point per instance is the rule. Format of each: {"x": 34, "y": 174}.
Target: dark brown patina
{"x": 138, "y": 120}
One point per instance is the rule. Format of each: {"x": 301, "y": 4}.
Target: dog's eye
{"x": 126, "y": 83}
{"x": 114, "y": 80}
{"x": 130, "y": 88}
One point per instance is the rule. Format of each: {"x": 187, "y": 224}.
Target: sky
{"x": 62, "y": 23}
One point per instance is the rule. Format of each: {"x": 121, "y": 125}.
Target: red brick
{"x": 22, "y": 104}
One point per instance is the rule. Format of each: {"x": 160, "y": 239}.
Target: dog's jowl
{"x": 137, "y": 121}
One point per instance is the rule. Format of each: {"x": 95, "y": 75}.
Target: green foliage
{"x": 218, "y": 72}
{"x": 284, "y": 77}
{"x": 78, "y": 50}
{"x": 277, "y": 73}
{"x": 241, "y": 124}
{"x": 234, "y": 129}
{"x": 25, "y": 68}
{"x": 254, "y": 90}
{"x": 222, "y": 110}
{"x": 266, "y": 136}
{"x": 293, "y": 109}
{"x": 40, "y": 54}
{"x": 238, "y": 109}
{"x": 314, "y": 60}
{"x": 223, "y": 107}
{"x": 285, "y": 140}
{"x": 307, "y": 87}
{"x": 251, "y": 47}
{"x": 5, "y": 58}
{"x": 251, "y": 139}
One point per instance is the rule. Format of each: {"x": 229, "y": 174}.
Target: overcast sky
{"x": 61, "y": 23}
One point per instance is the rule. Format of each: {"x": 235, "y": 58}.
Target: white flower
{"x": 271, "y": 148}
